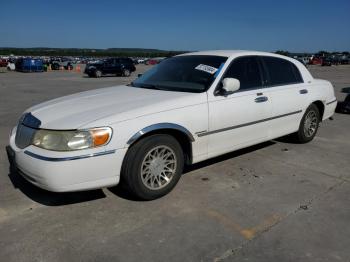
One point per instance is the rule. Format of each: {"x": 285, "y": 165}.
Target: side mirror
{"x": 230, "y": 85}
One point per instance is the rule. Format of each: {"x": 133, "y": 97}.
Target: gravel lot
{"x": 272, "y": 202}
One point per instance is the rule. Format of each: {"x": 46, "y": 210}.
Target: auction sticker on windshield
{"x": 209, "y": 69}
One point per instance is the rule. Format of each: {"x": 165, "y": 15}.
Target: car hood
{"x": 118, "y": 103}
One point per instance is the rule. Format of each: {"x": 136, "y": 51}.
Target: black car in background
{"x": 327, "y": 62}
{"x": 121, "y": 66}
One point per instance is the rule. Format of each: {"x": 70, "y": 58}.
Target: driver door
{"x": 239, "y": 119}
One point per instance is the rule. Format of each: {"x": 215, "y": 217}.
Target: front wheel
{"x": 309, "y": 125}
{"x": 126, "y": 72}
{"x": 153, "y": 166}
{"x": 98, "y": 73}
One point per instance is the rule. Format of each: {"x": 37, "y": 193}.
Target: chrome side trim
{"x": 59, "y": 159}
{"x": 247, "y": 124}
{"x": 157, "y": 127}
{"x": 331, "y": 102}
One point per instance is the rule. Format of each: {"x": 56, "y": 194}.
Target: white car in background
{"x": 187, "y": 109}
{"x": 11, "y": 66}
{"x": 140, "y": 61}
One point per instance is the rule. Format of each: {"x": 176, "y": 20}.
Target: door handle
{"x": 303, "y": 91}
{"x": 261, "y": 99}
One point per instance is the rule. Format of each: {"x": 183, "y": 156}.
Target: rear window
{"x": 281, "y": 71}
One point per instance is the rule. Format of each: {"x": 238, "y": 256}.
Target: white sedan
{"x": 187, "y": 109}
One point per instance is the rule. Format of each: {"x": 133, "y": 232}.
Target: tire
{"x": 126, "y": 72}
{"x": 308, "y": 125}
{"x": 143, "y": 175}
{"x": 55, "y": 67}
{"x": 98, "y": 74}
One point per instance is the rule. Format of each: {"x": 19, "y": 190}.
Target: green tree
{"x": 282, "y": 52}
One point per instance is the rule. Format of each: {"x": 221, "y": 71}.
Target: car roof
{"x": 229, "y": 53}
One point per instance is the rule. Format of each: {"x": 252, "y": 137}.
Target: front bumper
{"x": 67, "y": 171}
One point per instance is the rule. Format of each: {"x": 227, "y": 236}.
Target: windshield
{"x": 193, "y": 73}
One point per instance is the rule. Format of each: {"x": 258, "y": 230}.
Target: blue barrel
{"x": 29, "y": 65}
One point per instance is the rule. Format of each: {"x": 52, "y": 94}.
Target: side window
{"x": 109, "y": 61}
{"x": 247, "y": 71}
{"x": 281, "y": 71}
{"x": 125, "y": 60}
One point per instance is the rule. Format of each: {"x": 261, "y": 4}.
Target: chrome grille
{"x": 24, "y": 136}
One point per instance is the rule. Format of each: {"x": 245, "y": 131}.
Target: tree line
{"x": 319, "y": 53}
{"x": 132, "y": 52}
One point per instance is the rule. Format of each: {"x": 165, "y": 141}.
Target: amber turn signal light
{"x": 100, "y": 136}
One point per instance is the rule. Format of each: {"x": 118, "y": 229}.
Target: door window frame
{"x": 267, "y": 72}
{"x": 261, "y": 72}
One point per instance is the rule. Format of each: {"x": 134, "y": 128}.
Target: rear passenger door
{"x": 109, "y": 66}
{"x": 239, "y": 119}
{"x": 118, "y": 66}
{"x": 288, "y": 93}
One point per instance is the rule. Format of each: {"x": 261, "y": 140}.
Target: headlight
{"x": 72, "y": 140}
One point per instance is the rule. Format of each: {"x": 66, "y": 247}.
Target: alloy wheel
{"x": 310, "y": 124}
{"x": 158, "y": 167}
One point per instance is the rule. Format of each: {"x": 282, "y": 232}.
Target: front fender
{"x": 160, "y": 126}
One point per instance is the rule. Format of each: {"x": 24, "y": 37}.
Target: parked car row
{"x": 324, "y": 60}
{"x": 329, "y": 61}
{"x": 148, "y": 61}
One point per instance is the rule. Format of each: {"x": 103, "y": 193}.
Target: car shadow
{"x": 47, "y": 198}
{"x": 106, "y": 76}
{"x": 227, "y": 156}
{"x": 122, "y": 192}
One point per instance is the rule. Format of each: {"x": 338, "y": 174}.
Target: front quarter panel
{"x": 193, "y": 118}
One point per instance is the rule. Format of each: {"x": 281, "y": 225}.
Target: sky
{"x": 266, "y": 25}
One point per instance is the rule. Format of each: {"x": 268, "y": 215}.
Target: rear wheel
{"x": 309, "y": 125}
{"x": 153, "y": 166}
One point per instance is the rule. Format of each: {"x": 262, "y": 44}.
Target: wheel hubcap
{"x": 310, "y": 124}
{"x": 158, "y": 167}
